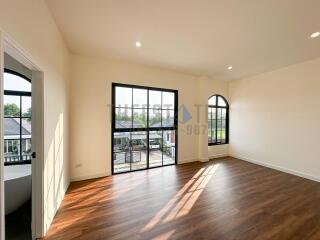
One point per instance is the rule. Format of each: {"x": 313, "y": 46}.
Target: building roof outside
{"x": 12, "y": 127}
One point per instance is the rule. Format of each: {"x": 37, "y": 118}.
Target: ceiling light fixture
{"x": 230, "y": 68}
{"x": 138, "y": 44}
{"x": 315, "y": 35}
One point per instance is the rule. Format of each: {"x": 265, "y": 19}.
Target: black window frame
{"x": 146, "y": 129}
{"x": 216, "y": 107}
{"x": 20, "y": 94}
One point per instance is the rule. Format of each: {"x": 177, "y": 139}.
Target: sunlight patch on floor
{"x": 183, "y": 201}
{"x": 165, "y": 236}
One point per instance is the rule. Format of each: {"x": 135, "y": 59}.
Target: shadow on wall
{"x": 54, "y": 170}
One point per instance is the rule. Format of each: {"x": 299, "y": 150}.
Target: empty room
{"x": 172, "y": 119}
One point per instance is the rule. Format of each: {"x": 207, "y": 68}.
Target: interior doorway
{"x": 144, "y": 127}
{"x": 21, "y": 143}
{"x": 17, "y": 106}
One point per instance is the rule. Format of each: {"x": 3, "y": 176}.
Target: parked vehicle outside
{"x": 154, "y": 145}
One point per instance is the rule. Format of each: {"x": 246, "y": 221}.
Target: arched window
{"x": 17, "y": 118}
{"x": 218, "y": 120}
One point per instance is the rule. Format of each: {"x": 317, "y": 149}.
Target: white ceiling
{"x": 200, "y": 37}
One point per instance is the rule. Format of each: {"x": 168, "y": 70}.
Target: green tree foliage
{"x": 28, "y": 113}
{"x": 155, "y": 119}
{"x": 11, "y": 109}
{"x": 123, "y": 117}
{"x": 141, "y": 118}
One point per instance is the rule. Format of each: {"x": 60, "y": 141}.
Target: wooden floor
{"x": 222, "y": 199}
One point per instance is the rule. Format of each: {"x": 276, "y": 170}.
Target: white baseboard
{"x": 282, "y": 169}
{"x": 87, "y": 177}
{"x": 218, "y": 156}
{"x": 187, "y": 160}
{"x": 204, "y": 159}
{"x": 268, "y": 165}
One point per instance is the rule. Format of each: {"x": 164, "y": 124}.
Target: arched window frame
{"x": 22, "y": 159}
{"x": 6, "y": 70}
{"x": 210, "y": 128}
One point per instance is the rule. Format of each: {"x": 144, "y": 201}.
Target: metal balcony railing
{"x": 17, "y": 159}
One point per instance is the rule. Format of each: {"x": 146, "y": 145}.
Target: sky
{"x": 13, "y": 82}
{"x": 124, "y": 98}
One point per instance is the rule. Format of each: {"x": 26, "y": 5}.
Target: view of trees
{"x": 140, "y": 118}
{"x": 11, "y": 109}
{"x": 123, "y": 117}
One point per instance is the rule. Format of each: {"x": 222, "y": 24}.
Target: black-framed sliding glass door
{"x": 144, "y": 127}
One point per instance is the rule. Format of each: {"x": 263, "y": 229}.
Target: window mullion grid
{"x": 216, "y": 130}
{"x": 148, "y": 130}
{"x": 130, "y": 150}
{"x": 220, "y": 131}
{"x": 144, "y": 129}
{"x": 220, "y": 125}
{"x": 162, "y": 147}
{"x": 21, "y": 128}
{"x": 113, "y": 126}
{"x": 227, "y": 125}
{"x": 131, "y": 144}
{"x": 218, "y": 120}
{"x": 211, "y": 136}
{"x": 162, "y": 130}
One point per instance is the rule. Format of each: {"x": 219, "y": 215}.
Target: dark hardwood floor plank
{"x": 221, "y": 199}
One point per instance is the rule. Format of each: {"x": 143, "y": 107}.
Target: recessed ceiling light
{"x": 315, "y": 35}
{"x": 138, "y": 44}
{"x": 230, "y": 68}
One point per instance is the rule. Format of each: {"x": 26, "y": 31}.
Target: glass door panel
{"x": 121, "y": 152}
{"x": 168, "y": 148}
{"x": 139, "y": 150}
{"x": 144, "y": 128}
{"x": 155, "y": 146}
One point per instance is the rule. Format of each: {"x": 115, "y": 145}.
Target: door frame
{"x": 9, "y": 46}
{"x": 147, "y": 129}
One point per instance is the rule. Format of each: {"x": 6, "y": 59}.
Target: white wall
{"x": 275, "y": 118}
{"x": 91, "y": 119}
{"x": 30, "y": 24}
{"x": 12, "y": 64}
{"x": 90, "y": 114}
{"x": 207, "y": 88}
